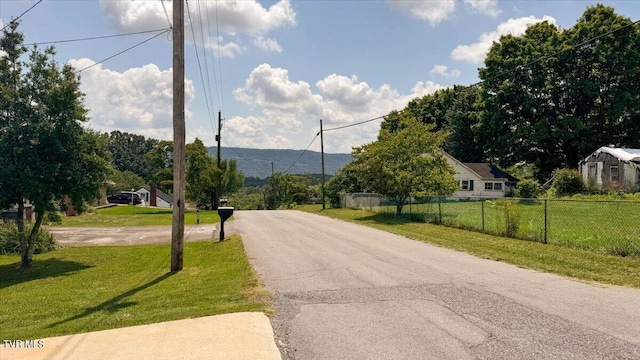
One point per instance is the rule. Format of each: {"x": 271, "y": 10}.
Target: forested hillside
{"x": 257, "y": 162}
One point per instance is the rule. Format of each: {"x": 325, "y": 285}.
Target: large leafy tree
{"x": 46, "y": 153}
{"x": 455, "y": 110}
{"x": 405, "y": 162}
{"x": 286, "y": 189}
{"x": 548, "y": 106}
{"x": 160, "y": 159}
{"x": 202, "y": 173}
{"x": 129, "y": 153}
{"x": 231, "y": 179}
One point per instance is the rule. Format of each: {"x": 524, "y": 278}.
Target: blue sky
{"x": 275, "y": 68}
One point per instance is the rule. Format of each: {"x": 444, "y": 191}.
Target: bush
{"x": 10, "y": 239}
{"x": 567, "y": 182}
{"x": 528, "y": 189}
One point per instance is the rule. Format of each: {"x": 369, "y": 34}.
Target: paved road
{"x": 344, "y": 291}
{"x": 130, "y": 235}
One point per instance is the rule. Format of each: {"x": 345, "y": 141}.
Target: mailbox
{"x": 225, "y": 213}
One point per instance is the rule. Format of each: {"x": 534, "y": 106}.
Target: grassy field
{"x": 603, "y": 226}
{"x": 127, "y": 215}
{"x": 574, "y": 263}
{"x": 85, "y": 289}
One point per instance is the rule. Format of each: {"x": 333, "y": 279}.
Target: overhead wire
{"x": 219, "y": 65}
{"x": 123, "y": 51}
{"x": 518, "y": 68}
{"x": 206, "y": 64}
{"x": 21, "y": 15}
{"x": 204, "y": 87}
{"x": 97, "y": 37}
{"x": 302, "y": 153}
{"x": 230, "y": 149}
{"x": 213, "y": 65}
{"x": 166, "y": 13}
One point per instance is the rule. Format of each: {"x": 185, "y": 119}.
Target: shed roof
{"x": 621, "y": 153}
{"x": 159, "y": 193}
{"x": 489, "y": 171}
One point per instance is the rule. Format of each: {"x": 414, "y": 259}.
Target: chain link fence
{"x": 607, "y": 226}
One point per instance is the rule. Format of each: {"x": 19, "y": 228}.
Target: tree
{"x": 405, "y": 162}
{"x": 231, "y": 178}
{"x": 161, "y": 160}
{"x": 46, "y": 153}
{"x": 123, "y": 181}
{"x": 549, "y": 103}
{"x": 286, "y": 190}
{"x": 129, "y": 153}
{"x": 202, "y": 174}
{"x": 456, "y": 110}
{"x": 345, "y": 180}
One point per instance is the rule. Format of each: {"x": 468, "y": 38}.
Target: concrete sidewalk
{"x": 230, "y": 336}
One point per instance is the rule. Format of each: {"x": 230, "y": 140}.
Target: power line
{"x": 166, "y": 13}
{"x": 571, "y": 48}
{"x": 204, "y": 87}
{"x": 302, "y": 153}
{"x": 219, "y": 66}
{"x": 97, "y": 37}
{"x": 123, "y": 51}
{"x": 206, "y": 64}
{"x": 18, "y": 18}
{"x": 213, "y": 65}
{"x": 518, "y": 68}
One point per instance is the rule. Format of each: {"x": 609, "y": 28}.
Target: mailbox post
{"x": 225, "y": 213}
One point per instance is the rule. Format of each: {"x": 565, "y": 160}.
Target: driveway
{"x": 346, "y": 291}
{"x": 132, "y": 235}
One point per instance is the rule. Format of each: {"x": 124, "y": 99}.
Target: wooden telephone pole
{"x": 179, "y": 160}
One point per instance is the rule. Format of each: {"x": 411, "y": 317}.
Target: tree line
{"x": 547, "y": 98}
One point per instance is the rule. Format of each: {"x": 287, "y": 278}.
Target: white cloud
{"x": 289, "y": 107}
{"x": 230, "y": 17}
{"x": 433, "y": 11}
{"x": 267, "y": 44}
{"x": 488, "y": 7}
{"x": 138, "y": 100}
{"x": 476, "y": 52}
{"x": 441, "y": 70}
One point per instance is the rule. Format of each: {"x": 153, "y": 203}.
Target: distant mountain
{"x": 257, "y": 162}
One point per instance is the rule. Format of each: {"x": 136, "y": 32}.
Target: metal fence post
{"x": 482, "y": 202}
{"x": 545, "y": 221}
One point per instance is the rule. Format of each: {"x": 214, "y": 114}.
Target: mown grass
{"x": 575, "y": 263}
{"x": 127, "y": 215}
{"x": 602, "y": 226}
{"x": 83, "y": 289}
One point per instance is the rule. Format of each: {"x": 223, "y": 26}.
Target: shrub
{"x": 567, "y": 182}
{"x": 528, "y": 189}
{"x": 10, "y": 239}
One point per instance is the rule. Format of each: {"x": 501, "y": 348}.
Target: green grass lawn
{"x": 85, "y": 289}
{"x": 127, "y": 215}
{"x": 579, "y": 264}
{"x": 602, "y": 226}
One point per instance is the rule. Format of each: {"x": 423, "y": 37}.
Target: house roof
{"x": 159, "y": 193}
{"x": 489, "y": 171}
{"x": 621, "y": 153}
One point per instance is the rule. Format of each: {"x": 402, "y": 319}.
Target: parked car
{"x": 124, "y": 198}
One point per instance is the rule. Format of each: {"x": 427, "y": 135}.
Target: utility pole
{"x": 322, "y": 157}
{"x": 218, "y": 185}
{"x": 177, "y": 227}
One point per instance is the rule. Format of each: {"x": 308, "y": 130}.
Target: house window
{"x": 465, "y": 185}
{"x": 497, "y": 186}
{"x": 593, "y": 171}
{"x": 488, "y": 186}
{"x": 613, "y": 173}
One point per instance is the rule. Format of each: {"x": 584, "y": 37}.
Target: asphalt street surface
{"x": 345, "y": 291}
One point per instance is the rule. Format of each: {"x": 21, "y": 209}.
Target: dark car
{"x": 124, "y": 198}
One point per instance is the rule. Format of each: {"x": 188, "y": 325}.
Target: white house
{"x": 153, "y": 196}
{"x": 480, "y": 180}
{"x": 612, "y": 168}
